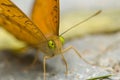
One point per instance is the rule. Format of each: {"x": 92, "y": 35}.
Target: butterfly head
{"x": 53, "y": 46}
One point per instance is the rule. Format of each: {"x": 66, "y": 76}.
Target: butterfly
{"x": 42, "y": 32}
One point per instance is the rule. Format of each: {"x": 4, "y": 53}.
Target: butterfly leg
{"x": 77, "y": 52}
{"x": 65, "y": 63}
{"x": 35, "y": 58}
{"x": 33, "y": 62}
{"x": 44, "y": 65}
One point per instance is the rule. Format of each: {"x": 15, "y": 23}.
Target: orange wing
{"x": 17, "y": 23}
{"x": 46, "y": 16}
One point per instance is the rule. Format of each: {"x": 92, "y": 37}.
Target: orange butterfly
{"x": 42, "y": 33}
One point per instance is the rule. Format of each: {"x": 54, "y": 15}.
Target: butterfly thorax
{"x": 53, "y": 46}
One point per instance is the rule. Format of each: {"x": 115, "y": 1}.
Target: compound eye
{"x": 51, "y": 44}
{"x": 62, "y": 39}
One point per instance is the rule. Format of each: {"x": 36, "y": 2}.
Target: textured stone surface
{"x": 92, "y": 48}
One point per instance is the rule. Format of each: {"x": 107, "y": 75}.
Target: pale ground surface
{"x": 11, "y": 68}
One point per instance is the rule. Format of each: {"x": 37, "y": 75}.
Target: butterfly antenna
{"x": 98, "y": 12}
